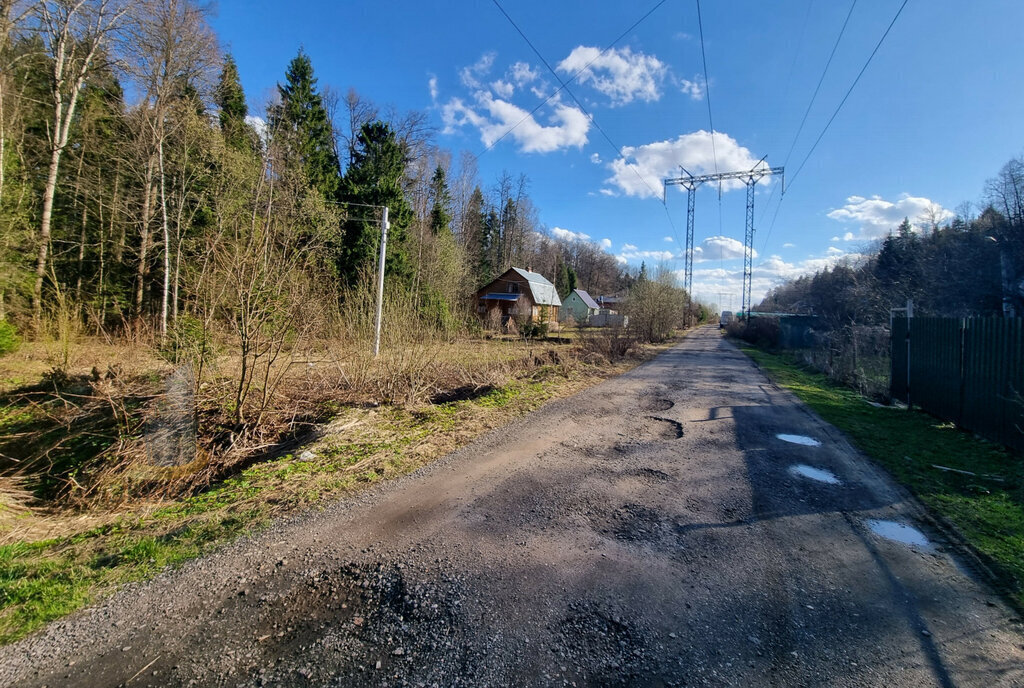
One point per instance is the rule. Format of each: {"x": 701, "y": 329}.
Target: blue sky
{"x": 938, "y": 111}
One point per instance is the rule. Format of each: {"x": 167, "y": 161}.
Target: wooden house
{"x": 518, "y": 295}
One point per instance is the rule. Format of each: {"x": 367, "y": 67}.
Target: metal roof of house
{"x": 542, "y": 291}
{"x": 590, "y": 303}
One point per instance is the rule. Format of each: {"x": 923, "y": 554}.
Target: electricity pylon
{"x": 749, "y": 178}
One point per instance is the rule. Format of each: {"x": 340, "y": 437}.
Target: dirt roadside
{"x": 652, "y": 530}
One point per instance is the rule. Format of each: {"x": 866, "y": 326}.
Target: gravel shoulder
{"x": 652, "y": 530}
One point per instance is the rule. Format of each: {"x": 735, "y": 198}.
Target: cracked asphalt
{"x": 653, "y": 530}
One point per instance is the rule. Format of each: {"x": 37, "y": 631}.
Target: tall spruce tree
{"x": 490, "y": 242}
{"x": 440, "y": 211}
{"x": 562, "y": 279}
{"x": 230, "y": 99}
{"x": 301, "y": 124}
{"x": 375, "y": 179}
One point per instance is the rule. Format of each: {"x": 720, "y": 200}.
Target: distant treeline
{"x": 967, "y": 267}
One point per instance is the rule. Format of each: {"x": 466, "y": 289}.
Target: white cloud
{"x": 788, "y": 245}
{"x": 540, "y": 91}
{"x": 608, "y": 192}
{"x": 710, "y": 282}
{"x": 668, "y": 239}
{"x": 595, "y": 158}
{"x": 569, "y": 235}
{"x": 833, "y": 251}
{"x": 622, "y": 75}
{"x": 694, "y": 89}
{"x": 521, "y": 74}
{"x": 471, "y": 75}
{"x": 490, "y": 110}
{"x": 641, "y": 169}
{"x": 432, "y": 85}
{"x": 606, "y": 244}
{"x": 259, "y": 125}
{"x": 655, "y": 256}
{"x": 877, "y": 216}
{"x": 503, "y": 88}
{"x": 567, "y": 127}
{"x": 628, "y": 247}
{"x": 719, "y": 248}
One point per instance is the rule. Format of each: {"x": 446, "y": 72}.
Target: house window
{"x": 513, "y": 288}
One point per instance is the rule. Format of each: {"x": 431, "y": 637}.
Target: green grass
{"x": 44, "y": 580}
{"x": 986, "y": 508}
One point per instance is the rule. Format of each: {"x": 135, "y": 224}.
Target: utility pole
{"x": 380, "y": 278}
{"x": 749, "y": 178}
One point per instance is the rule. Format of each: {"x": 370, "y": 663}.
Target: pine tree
{"x": 230, "y": 99}
{"x": 375, "y": 179}
{"x": 301, "y": 124}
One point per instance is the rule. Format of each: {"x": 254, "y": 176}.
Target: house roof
{"x": 585, "y": 297}
{"x": 541, "y": 290}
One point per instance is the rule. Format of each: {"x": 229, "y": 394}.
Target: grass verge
{"x": 44, "y": 579}
{"x": 985, "y": 502}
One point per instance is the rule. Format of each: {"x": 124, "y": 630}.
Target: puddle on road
{"x": 819, "y": 474}
{"x": 899, "y": 532}
{"x": 800, "y": 439}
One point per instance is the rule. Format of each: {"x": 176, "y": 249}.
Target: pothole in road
{"x": 898, "y": 532}
{"x": 819, "y": 474}
{"x": 655, "y": 404}
{"x": 799, "y": 439}
{"x": 636, "y": 523}
{"x": 602, "y": 647}
{"x": 667, "y": 428}
{"x": 651, "y": 475}
{"x": 358, "y": 616}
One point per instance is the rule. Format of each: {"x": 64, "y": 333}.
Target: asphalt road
{"x": 654, "y": 530}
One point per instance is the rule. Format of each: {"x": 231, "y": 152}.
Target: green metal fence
{"x": 969, "y": 371}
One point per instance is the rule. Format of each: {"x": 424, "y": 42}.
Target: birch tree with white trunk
{"x": 74, "y": 34}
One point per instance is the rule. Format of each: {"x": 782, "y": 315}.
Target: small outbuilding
{"x": 579, "y": 305}
{"x": 519, "y": 295}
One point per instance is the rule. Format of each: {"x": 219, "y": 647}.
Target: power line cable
{"x": 799, "y": 47}
{"x": 821, "y": 79}
{"x": 810, "y": 104}
{"x": 848, "y": 92}
{"x": 707, "y": 93}
{"x": 593, "y": 120}
{"x": 711, "y": 121}
{"x": 834, "y": 114}
{"x": 571, "y": 79}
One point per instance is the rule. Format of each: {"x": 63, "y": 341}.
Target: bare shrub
{"x": 655, "y": 306}
{"x": 760, "y": 331}
{"x": 611, "y": 343}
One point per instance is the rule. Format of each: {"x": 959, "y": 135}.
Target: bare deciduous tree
{"x": 74, "y": 32}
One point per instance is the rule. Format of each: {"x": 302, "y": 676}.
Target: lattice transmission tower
{"x": 750, "y": 178}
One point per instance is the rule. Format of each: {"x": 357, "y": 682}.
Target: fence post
{"x": 963, "y": 372}
{"x": 910, "y": 314}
